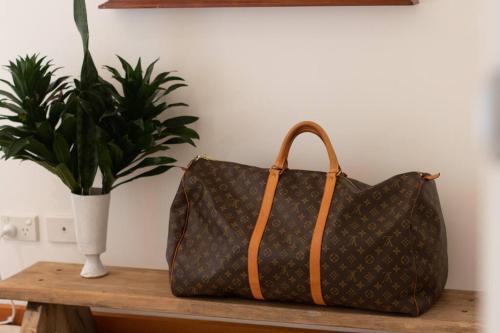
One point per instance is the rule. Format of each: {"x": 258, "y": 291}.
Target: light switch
{"x": 61, "y": 230}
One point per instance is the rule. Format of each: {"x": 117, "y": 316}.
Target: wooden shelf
{"x": 248, "y": 3}
{"x": 148, "y": 290}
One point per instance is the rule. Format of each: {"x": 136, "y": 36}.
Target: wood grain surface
{"x": 149, "y": 291}
{"x": 48, "y": 318}
{"x": 107, "y": 322}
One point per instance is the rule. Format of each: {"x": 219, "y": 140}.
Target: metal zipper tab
{"x": 198, "y": 157}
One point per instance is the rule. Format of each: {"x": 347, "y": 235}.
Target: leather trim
{"x": 258, "y": 233}
{"x": 317, "y": 240}
{"x": 431, "y": 177}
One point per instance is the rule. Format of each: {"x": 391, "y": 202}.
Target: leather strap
{"x": 258, "y": 232}
{"x": 302, "y": 127}
{"x": 317, "y": 240}
{"x": 267, "y": 203}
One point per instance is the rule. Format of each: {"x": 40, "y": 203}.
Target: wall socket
{"x": 61, "y": 230}
{"x": 26, "y": 227}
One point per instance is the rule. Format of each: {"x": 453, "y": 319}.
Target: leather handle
{"x": 306, "y": 127}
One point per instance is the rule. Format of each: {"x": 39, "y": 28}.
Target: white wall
{"x": 394, "y": 86}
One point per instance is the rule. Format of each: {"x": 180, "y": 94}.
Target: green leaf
{"x": 148, "y": 162}
{"x": 116, "y": 155}
{"x": 179, "y": 140}
{"x": 114, "y": 72}
{"x": 11, "y": 97}
{"x": 150, "y": 151}
{"x": 86, "y": 141}
{"x": 12, "y": 107}
{"x": 89, "y": 75}
{"x": 134, "y": 129}
{"x": 44, "y": 132}
{"x": 80, "y": 16}
{"x": 68, "y": 128}
{"x": 174, "y": 105}
{"x": 126, "y": 66}
{"x": 61, "y": 148}
{"x": 60, "y": 171}
{"x": 179, "y": 121}
{"x": 16, "y": 147}
{"x": 139, "y": 123}
{"x": 58, "y": 83}
{"x": 15, "y": 131}
{"x": 106, "y": 166}
{"x": 156, "y": 171}
{"x": 149, "y": 71}
{"x": 174, "y": 78}
{"x": 39, "y": 149}
{"x": 173, "y": 88}
{"x": 67, "y": 177}
{"x": 184, "y": 132}
{"x": 55, "y": 112}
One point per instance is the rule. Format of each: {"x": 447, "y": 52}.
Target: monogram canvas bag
{"x": 289, "y": 235}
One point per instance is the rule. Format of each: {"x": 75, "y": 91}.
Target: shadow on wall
{"x": 495, "y": 118}
{"x": 491, "y": 211}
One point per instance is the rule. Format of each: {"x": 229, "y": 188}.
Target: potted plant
{"x": 73, "y": 129}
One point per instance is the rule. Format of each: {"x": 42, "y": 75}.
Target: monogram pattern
{"x": 284, "y": 250}
{"x": 429, "y": 235}
{"x": 384, "y": 246}
{"x": 367, "y": 259}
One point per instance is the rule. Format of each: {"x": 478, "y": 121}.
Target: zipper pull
{"x": 431, "y": 177}
{"x": 203, "y": 157}
{"x": 198, "y": 157}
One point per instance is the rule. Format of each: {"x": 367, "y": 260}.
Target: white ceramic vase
{"x": 91, "y": 225}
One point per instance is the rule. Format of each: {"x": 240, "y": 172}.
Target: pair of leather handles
{"x": 319, "y": 228}
{"x": 267, "y": 203}
{"x": 281, "y": 163}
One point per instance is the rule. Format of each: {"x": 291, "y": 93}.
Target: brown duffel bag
{"x": 304, "y": 236}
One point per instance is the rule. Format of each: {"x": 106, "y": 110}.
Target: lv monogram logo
{"x": 378, "y": 253}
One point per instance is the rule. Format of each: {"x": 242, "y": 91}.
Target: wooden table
{"x": 59, "y": 300}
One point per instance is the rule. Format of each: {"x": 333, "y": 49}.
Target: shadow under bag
{"x": 311, "y": 237}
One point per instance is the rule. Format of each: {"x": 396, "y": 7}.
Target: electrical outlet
{"x": 26, "y": 227}
{"x": 61, "y": 230}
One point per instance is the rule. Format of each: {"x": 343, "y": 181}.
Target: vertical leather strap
{"x": 317, "y": 240}
{"x": 258, "y": 232}
{"x": 267, "y": 203}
